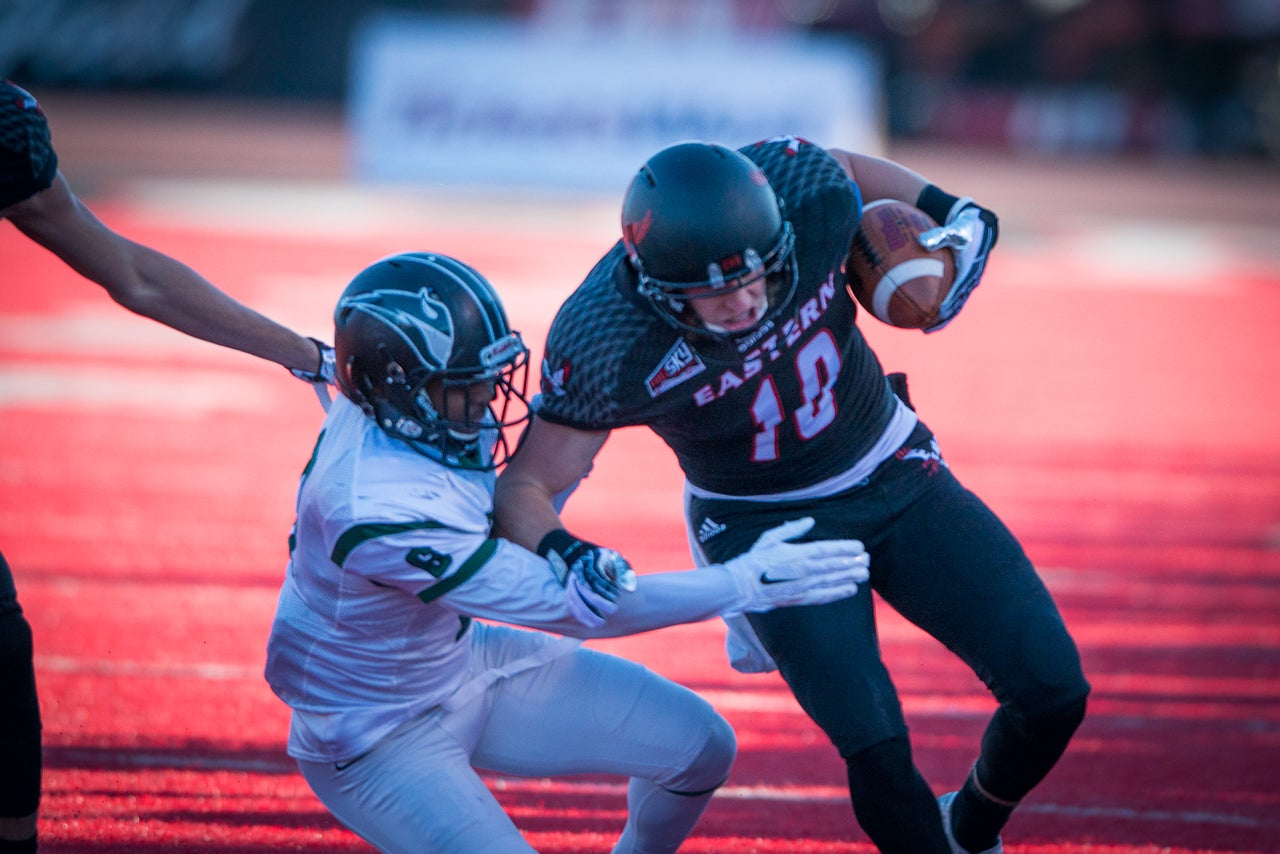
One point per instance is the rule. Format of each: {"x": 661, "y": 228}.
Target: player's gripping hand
{"x": 594, "y": 577}
{"x": 970, "y": 231}
{"x": 776, "y": 573}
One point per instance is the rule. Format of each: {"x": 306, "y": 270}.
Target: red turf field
{"x": 1111, "y": 390}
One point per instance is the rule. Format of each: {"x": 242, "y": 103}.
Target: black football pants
{"x": 20, "y": 761}
{"x": 944, "y": 561}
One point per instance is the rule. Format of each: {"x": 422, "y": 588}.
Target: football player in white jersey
{"x": 388, "y": 641}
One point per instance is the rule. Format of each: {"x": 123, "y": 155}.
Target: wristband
{"x": 936, "y": 203}
{"x": 558, "y": 541}
{"x": 326, "y": 370}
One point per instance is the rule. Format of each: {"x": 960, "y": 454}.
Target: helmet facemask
{"x": 673, "y": 300}
{"x": 444, "y": 428}
{"x": 497, "y": 389}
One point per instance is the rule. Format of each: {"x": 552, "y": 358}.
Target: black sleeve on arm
{"x": 28, "y": 163}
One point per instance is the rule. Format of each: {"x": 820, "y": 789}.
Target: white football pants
{"x": 584, "y": 712}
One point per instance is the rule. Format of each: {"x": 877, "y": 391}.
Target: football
{"x": 890, "y": 273}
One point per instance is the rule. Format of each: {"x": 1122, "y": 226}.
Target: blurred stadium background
{"x": 1130, "y": 146}
{"x": 1158, "y": 77}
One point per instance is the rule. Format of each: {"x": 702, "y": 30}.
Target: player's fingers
{"x": 830, "y": 593}
{"x": 828, "y": 571}
{"x": 830, "y": 548}
{"x": 843, "y": 591}
{"x": 856, "y": 567}
{"x": 786, "y": 531}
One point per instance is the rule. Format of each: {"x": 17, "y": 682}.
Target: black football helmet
{"x": 701, "y": 220}
{"x": 412, "y": 319}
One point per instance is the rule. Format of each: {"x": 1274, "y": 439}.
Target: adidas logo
{"x": 709, "y": 529}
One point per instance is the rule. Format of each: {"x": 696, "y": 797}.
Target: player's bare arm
{"x": 152, "y": 284}
{"x": 878, "y": 178}
{"x": 552, "y": 458}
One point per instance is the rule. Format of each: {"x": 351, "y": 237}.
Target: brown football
{"x": 890, "y": 273}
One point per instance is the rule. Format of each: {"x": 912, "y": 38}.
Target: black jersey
{"x": 791, "y": 404}
{"x": 27, "y": 160}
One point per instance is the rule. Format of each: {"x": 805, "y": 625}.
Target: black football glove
{"x": 594, "y": 576}
{"x": 970, "y": 231}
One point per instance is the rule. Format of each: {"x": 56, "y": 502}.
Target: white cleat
{"x": 944, "y": 804}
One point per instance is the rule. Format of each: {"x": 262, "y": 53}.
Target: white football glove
{"x": 776, "y": 573}
{"x": 970, "y": 232}
{"x": 587, "y": 604}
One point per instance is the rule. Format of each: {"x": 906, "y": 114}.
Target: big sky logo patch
{"x": 678, "y": 365}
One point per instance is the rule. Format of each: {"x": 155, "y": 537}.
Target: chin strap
{"x": 322, "y": 393}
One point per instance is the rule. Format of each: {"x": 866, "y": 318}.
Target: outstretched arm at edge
{"x": 150, "y": 283}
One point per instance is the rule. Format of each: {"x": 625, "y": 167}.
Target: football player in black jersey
{"x": 722, "y": 322}
{"x": 35, "y": 197}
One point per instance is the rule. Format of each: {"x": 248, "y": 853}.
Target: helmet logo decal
{"x": 431, "y": 320}
{"x": 678, "y": 365}
{"x": 555, "y": 378}
{"x": 636, "y": 231}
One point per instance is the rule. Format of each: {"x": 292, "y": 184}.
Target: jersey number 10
{"x": 817, "y": 366}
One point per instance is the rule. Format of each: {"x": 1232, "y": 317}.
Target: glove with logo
{"x": 776, "y": 573}
{"x": 970, "y": 232}
{"x": 594, "y": 577}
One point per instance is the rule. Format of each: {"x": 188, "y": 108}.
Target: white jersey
{"x": 391, "y": 559}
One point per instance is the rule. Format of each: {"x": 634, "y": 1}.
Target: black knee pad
{"x": 1058, "y": 725}
{"x": 1019, "y": 750}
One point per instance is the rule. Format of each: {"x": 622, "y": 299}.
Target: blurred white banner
{"x": 498, "y": 102}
